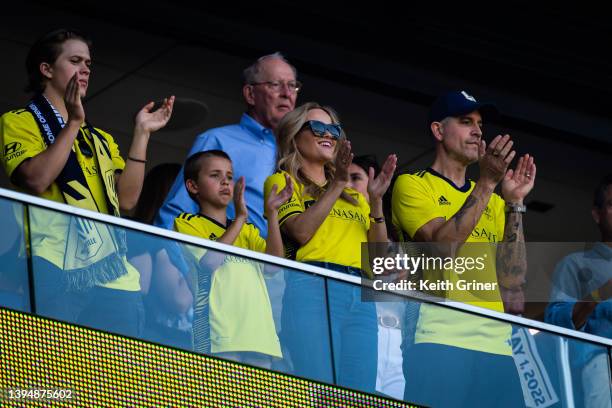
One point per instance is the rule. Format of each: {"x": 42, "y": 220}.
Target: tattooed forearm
{"x": 516, "y": 270}
{"x": 512, "y": 238}
{"x": 459, "y": 227}
{"x": 511, "y": 253}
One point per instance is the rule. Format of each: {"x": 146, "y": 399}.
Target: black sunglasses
{"x": 319, "y": 129}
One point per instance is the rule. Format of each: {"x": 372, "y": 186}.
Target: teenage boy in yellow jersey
{"x": 80, "y": 270}
{"x": 241, "y": 323}
{"x": 462, "y": 359}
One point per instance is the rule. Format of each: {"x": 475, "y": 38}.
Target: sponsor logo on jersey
{"x": 483, "y": 233}
{"x": 443, "y": 201}
{"x": 352, "y": 215}
{"x": 12, "y": 151}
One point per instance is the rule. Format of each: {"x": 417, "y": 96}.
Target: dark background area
{"x": 547, "y": 67}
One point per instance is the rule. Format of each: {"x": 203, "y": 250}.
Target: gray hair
{"x": 251, "y": 73}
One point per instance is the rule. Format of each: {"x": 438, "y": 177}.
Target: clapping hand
{"x": 275, "y": 200}
{"x": 377, "y": 186}
{"x": 518, "y": 183}
{"x": 343, "y": 161}
{"x": 148, "y": 120}
{"x": 239, "y": 202}
{"x": 72, "y": 100}
{"x": 495, "y": 158}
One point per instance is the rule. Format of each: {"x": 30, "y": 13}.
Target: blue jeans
{"x": 306, "y": 332}
{"x": 445, "y": 376}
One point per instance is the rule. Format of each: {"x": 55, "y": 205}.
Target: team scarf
{"x": 94, "y": 250}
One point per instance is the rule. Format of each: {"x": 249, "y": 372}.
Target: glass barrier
{"x": 165, "y": 282}
{"x": 183, "y": 295}
{"x": 14, "y": 290}
{"x": 154, "y": 288}
{"x": 237, "y": 317}
{"x": 81, "y": 273}
{"x": 437, "y": 356}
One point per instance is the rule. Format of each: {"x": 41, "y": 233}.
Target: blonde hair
{"x": 289, "y": 157}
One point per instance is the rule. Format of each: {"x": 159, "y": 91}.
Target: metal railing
{"x": 258, "y": 256}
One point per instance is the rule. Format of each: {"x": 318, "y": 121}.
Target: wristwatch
{"x": 517, "y": 208}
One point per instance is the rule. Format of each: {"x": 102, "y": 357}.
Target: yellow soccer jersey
{"x": 419, "y": 198}
{"x": 240, "y": 309}
{"x": 20, "y": 139}
{"x": 338, "y": 239}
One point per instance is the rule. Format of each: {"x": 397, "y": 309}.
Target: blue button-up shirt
{"x": 576, "y": 276}
{"x": 252, "y": 149}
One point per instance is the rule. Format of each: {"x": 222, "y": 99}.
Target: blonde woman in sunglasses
{"x": 324, "y": 223}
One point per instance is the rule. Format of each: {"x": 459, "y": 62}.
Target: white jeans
{"x": 389, "y": 376}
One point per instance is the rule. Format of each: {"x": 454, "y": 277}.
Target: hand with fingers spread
{"x": 518, "y": 183}
{"x": 495, "y": 159}
{"x": 344, "y": 158}
{"x": 149, "y": 121}
{"x": 239, "y": 202}
{"x": 72, "y": 100}
{"x": 275, "y": 200}
{"x": 379, "y": 185}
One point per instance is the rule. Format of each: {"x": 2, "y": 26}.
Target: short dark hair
{"x": 366, "y": 161}
{"x": 194, "y": 162}
{"x": 46, "y": 49}
{"x": 599, "y": 198}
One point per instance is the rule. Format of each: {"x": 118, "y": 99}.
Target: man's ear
{"x": 46, "y": 70}
{"x": 248, "y": 94}
{"x": 437, "y": 130}
{"x": 191, "y": 186}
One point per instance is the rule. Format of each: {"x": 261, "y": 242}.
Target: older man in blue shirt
{"x": 270, "y": 91}
{"x": 581, "y": 299}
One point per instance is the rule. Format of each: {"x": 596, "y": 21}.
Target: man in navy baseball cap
{"x": 459, "y": 103}
{"x": 440, "y": 204}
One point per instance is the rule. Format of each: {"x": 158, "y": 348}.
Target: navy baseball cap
{"x": 459, "y": 103}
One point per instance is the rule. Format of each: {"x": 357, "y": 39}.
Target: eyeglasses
{"x": 277, "y": 86}
{"x": 319, "y": 129}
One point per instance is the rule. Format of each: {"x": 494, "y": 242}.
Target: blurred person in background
{"x": 390, "y": 309}
{"x": 581, "y": 299}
